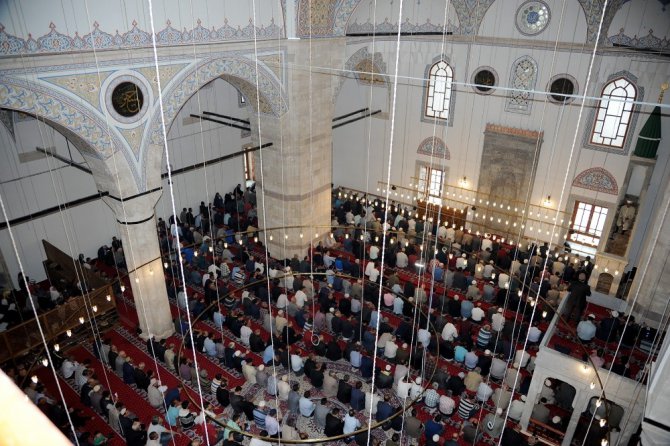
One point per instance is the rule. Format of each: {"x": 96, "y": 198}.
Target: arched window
{"x": 438, "y": 96}
{"x": 614, "y": 113}
{"x": 522, "y": 80}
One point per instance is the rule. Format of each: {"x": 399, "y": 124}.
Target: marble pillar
{"x": 137, "y": 226}
{"x": 294, "y": 185}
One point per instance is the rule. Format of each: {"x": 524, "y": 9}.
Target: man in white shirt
{"x": 283, "y": 388}
{"x": 516, "y": 408}
{"x": 282, "y": 301}
{"x": 398, "y": 305}
{"x": 402, "y": 390}
{"x": 521, "y": 357}
{"x": 462, "y": 261}
{"x": 399, "y": 373}
{"x": 245, "y": 333}
{"x": 401, "y": 259}
{"x": 374, "y": 274}
{"x": 484, "y": 392}
{"x": 415, "y": 389}
{"x": 300, "y": 298}
{"x": 498, "y": 320}
{"x": 477, "y": 313}
{"x": 374, "y": 252}
{"x": 488, "y": 270}
{"x": 423, "y": 336}
{"x": 449, "y": 332}
{"x": 390, "y": 349}
{"x": 297, "y": 364}
{"x": 68, "y": 367}
{"x": 280, "y": 321}
{"x": 503, "y": 279}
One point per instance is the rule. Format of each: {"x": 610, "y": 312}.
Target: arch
{"x": 604, "y": 284}
{"x": 522, "y": 79}
{"x": 357, "y": 63}
{"x": 236, "y": 69}
{"x": 81, "y": 125}
{"x": 597, "y": 179}
{"x": 434, "y": 146}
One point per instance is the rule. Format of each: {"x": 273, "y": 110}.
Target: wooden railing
{"x": 24, "y": 337}
{"x": 546, "y": 433}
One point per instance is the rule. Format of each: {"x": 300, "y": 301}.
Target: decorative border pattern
{"x": 316, "y": 18}
{"x": 513, "y": 131}
{"x": 424, "y": 96}
{"x": 405, "y": 27}
{"x": 650, "y": 41}
{"x": 434, "y": 146}
{"x": 55, "y": 42}
{"x": 597, "y": 179}
{"x": 493, "y": 87}
{"x": 586, "y": 139}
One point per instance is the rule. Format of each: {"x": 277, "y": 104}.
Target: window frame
{"x": 589, "y": 231}
{"x": 433, "y": 78}
{"x": 434, "y": 120}
{"x": 248, "y": 166}
{"x": 425, "y": 184}
{"x": 606, "y": 97}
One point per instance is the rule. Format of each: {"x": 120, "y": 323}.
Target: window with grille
{"x": 614, "y": 113}
{"x": 438, "y": 96}
{"x": 430, "y": 184}
{"x": 588, "y": 221}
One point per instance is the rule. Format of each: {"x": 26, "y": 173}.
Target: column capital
{"x": 134, "y": 209}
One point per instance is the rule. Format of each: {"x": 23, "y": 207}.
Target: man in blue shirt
{"x": 434, "y": 426}
{"x": 384, "y": 409}
{"x": 459, "y": 353}
{"x": 268, "y": 354}
{"x": 210, "y": 346}
{"x": 466, "y": 308}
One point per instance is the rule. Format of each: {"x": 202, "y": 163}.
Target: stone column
{"x": 294, "y": 188}
{"x": 137, "y": 226}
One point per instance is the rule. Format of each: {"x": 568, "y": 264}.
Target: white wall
{"x": 416, "y": 13}
{"x": 638, "y": 17}
{"x": 473, "y": 111}
{"x": 191, "y": 143}
{"x": 29, "y": 187}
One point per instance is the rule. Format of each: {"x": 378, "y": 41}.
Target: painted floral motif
{"x": 433, "y": 146}
{"x": 650, "y": 41}
{"x": 597, "y": 179}
{"x": 55, "y": 42}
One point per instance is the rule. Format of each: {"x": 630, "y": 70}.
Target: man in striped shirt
{"x": 466, "y": 407}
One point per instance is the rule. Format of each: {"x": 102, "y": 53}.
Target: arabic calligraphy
{"x": 127, "y": 99}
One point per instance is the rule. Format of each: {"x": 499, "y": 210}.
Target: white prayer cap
{"x": 592, "y": 316}
{"x": 523, "y": 398}
{"x": 615, "y": 313}
{"x": 436, "y": 438}
{"x": 346, "y": 294}
{"x": 261, "y": 367}
{"x": 461, "y": 375}
{"x": 487, "y": 352}
{"x": 556, "y": 419}
{"x": 96, "y": 388}
{"x": 499, "y": 411}
{"x": 547, "y": 382}
{"x": 474, "y": 282}
{"x": 238, "y": 353}
{"x": 261, "y": 404}
{"x": 418, "y": 380}
{"x": 388, "y": 367}
{"x": 456, "y": 297}
{"x": 332, "y": 310}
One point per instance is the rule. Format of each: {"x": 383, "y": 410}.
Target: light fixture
{"x": 419, "y": 264}
{"x": 285, "y": 236}
{"x": 94, "y": 308}
{"x": 81, "y": 319}
{"x": 165, "y": 265}
{"x": 195, "y": 254}
{"x": 301, "y": 235}
{"x": 270, "y": 237}
{"x": 240, "y": 241}
{"x": 211, "y": 249}
{"x": 137, "y": 280}
{"x": 592, "y": 385}
{"x": 586, "y": 367}
{"x": 34, "y": 379}
{"x": 255, "y": 239}
{"x": 599, "y": 403}
{"x": 57, "y": 347}
{"x": 45, "y": 362}
{"x": 544, "y": 313}
{"x": 316, "y": 235}
{"x": 69, "y": 333}
{"x": 463, "y": 181}
{"x": 109, "y": 298}
{"x": 123, "y": 288}
{"x": 151, "y": 271}
{"x": 603, "y": 422}
{"x": 604, "y": 442}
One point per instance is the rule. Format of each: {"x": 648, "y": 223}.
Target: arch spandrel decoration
{"x": 79, "y": 123}
{"x": 236, "y": 69}
{"x": 597, "y": 179}
{"x": 434, "y": 146}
